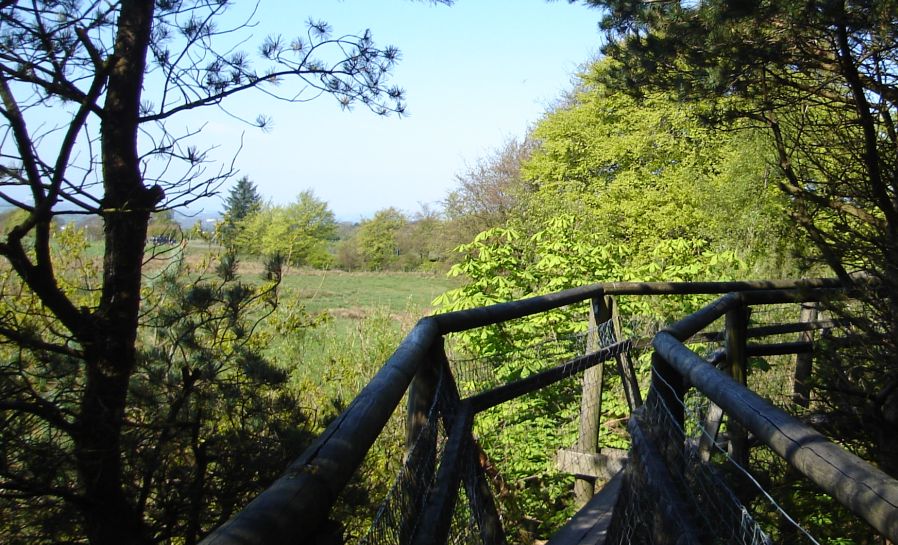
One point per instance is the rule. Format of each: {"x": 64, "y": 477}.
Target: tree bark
{"x": 109, "y": 344}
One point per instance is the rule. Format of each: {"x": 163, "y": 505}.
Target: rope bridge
{"x": 663, "y": 422}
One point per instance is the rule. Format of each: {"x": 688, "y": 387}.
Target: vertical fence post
{"x": 801, "y": 390}
{"x": 480, "y": 496}
{"x": 436, "y": 516}
{"x": 420, "y": 458}
{"x": 591, "y": 399}
{"x": 737, "y": 362}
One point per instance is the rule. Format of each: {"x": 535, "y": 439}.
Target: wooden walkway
{"x": 590, "y": 525}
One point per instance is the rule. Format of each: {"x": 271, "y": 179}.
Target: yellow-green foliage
{"x": 638, "y": 172}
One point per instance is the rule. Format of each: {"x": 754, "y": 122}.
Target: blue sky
{"x": 476, "y": 74}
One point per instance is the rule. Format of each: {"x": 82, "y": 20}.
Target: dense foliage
{"x": 90, "y": 95}
{"x": 820, "y": 77}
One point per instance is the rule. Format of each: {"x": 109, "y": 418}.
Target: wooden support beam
{"x": 600, "y": 466}
{"x": 773, "y": 329}
{"x": 801, "y": 389}
{"x": 737, "y": 367}
{"x": 480, "y": 496}
{"x": 436, "y": 516}
{"x": 464, "y": 320}
{"x": 625, "y": 363}
{"x": 591, "y": 398}
{"x": 501, "y": 394}
{"x": 711, "y": 425}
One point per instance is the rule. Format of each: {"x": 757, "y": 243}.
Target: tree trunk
{"x": 110, "y": 513}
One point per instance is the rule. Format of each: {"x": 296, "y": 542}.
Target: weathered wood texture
{"x": 296, "y": 505}
{"x": 737, "y": 367}
{"x": 591, "y": 398}
{"x": 600, "y": 465}
{"x": 867, "y": 491}
{"x": 624, "y": 362}
{"x": 711, "y": 425}
{"x": 591, "y": 523}
{"x": 801, "y": 389}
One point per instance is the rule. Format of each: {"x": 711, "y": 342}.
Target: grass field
{"x": 357, "y": 294}
{"x": 341, "y": 293}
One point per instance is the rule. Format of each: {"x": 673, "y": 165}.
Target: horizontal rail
{"x": 463, "y": 320}
{"x": 292, "y": 509}
{"x": 506, "y": 392}
{"x": 770, "y": 330}
{"x": 864, "y": 489}
{"x": 702, "y": 318}
{"x": 779, "y": 349}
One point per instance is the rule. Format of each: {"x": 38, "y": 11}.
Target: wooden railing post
{"x": 420, "y": 450}
{"x": 591, "y": 399}
{"x": 801, "y": 390}
{"x": 477, "y": 488}
{"x": 737, "y": 362}
{"x": 436, "y": 516}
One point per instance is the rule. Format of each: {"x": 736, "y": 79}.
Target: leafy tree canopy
{"x": 299, "y": 232}
{"x": 822, "y": 78}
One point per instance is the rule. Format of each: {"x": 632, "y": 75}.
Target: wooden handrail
{"x": 867, "y": 491}
{"x": 463, "y": 320}
{"x": 293, "y": 509}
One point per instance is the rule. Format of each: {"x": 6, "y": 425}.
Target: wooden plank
{"x": 591, "y": 523}
{"x": 712, "y": 428}
{"x": 864, "y": 489}
{"x": 773, "y": 329}
{"x": 296, "y": 506}
{"x": 597, "y": 466}
{"x": 737, "y": 367}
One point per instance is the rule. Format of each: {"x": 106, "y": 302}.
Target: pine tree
{"x": 243, "y": 201}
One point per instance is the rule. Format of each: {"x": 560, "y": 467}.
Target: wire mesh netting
{"x": 727, "y": 500}
{"x": 398, "y": 514}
